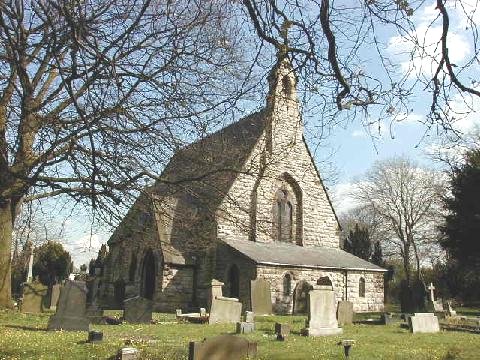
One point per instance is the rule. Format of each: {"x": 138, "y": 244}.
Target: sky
{"x": 352, "y": 149}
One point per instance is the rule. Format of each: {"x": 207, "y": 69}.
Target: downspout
{"x": 346, "y": 285}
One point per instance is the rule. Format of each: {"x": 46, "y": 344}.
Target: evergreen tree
{"x": 377, "y": 255}
{"x": 358, "y": 243}
{"x": 51, "y": 263}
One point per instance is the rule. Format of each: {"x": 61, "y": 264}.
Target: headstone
{"x": 225, "y": 310}
{"x": 345, "y": 313}
{"x": 347, "y": 346}
{"x": 300, "y": 297}
{"x": 35, "y": 295}
{"x": 423, "y": 323}
{"x": 71, "y": 308}
{"x": 245, "y": 327}
{"x": 222, "y": 347}
{"x": 450, "y": 311}
{"x": 203, "y": 312}
{"x": 249, "y": 316}
{"x": 95, "y": 336}
{"x": 386, "y": 318}
{"x": 214, "y": 292}
{"x": 178, "y": 312}
{"x": 128, "y": 353}
{"x": 432, "y": 294}
{"x": 54, "y": 295}
{"x": 138, "y": 310}
{"x": 438, "y": 305}
{"x": 261, "y": 297}
{"x": 282, "y": 331}
{"x": 322, "y": 318}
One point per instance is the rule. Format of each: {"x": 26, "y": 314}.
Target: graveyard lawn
{"x": 24, "y": 336}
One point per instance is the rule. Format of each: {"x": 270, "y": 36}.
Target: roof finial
{"x": 283, "y": 49}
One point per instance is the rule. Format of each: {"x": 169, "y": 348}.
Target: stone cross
{"x": 432, "y": 294}
{"x": 30, "y": 268}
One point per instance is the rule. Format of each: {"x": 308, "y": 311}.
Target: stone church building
{"x": 243, "y": 203}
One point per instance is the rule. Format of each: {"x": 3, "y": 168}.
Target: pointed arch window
{"x": 284, "y": 216}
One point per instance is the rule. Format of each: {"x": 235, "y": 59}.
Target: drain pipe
{"x": 346, "y": 285}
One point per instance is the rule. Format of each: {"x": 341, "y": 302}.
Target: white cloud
{"x": 359, "y": 134}
{"x": 417, "y": 49}
{"x": 85, "y": 247}
{"x": 342, "y": 197}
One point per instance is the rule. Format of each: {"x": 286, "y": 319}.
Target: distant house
{"x": 245, "y": 202}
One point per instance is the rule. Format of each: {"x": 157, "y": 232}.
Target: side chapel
{"x": 245, "y": 202}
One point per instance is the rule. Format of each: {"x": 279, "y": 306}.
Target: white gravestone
{"x": 423, "y": 323}
{"x": 322, "y": 312}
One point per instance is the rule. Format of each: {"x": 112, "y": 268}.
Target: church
{"x": 243, "y": 203}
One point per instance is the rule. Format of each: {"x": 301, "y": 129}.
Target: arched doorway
{"x": 148, "y": 275}
{"x": 233, "y": 281}
{"x": 300, "y": 297}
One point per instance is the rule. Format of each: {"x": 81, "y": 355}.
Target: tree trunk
{"x": 406, "y": 263}
{"x": 6, "y": 228}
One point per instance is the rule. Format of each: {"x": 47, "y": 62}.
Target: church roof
{"x": 284, "y": 254}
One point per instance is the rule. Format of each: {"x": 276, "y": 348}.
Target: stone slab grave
{"x": 196, "y": 318}
{"x": 322, "y": 319}
{"x": 35, "y": 297}
{"x": 345, "y": 313}
{"x": 222, "y": 347}
{"x": 71, "y": 308}
{"x": 138, "y": 310}
{"x": 261, "y": 297}
{"x": 225, "y": 310}
{"x": 54, "y": 295}
{"x": 423, "y": 323}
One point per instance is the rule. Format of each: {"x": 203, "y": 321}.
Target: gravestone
{"x": 345, "y": 313}
{"x": 35, "y": 296}
{"x": 54, "y": 295}
{"x": 244, "y": 327}
{"x": 225, "y": 310}
{"x": 261, "y": 297}
{"x": 214, "y": 291}
{"x": 71, "y": 308}
{"x": 423, "y": 323}
{"x": 138, "y": 310}
{"x": 300, "y": 297}
{"x": 450, "y": 311}
{"x": 386, "y": 318}
{"x": 249, "y": 316}
{"x": 128, "y": 353}
{"x": 221, "y": 348}
{"x": 282, "y": 331}
{"x": 322, "y": 318}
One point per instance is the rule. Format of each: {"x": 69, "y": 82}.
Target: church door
{"x": 300, "y": 297}
{"x": 148, "y": 276}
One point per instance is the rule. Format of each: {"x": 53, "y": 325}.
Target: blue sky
{"x": 353, "y": 148}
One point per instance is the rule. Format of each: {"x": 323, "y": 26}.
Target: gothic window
{"x": 287, "y": 284}
{"x": 284, "y": 216}
{"x": 361, "y": 287}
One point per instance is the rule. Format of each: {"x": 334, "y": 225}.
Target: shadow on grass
{"x": 28, "y": 328}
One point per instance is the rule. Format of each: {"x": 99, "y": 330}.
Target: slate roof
{"x": 284, "y": 254}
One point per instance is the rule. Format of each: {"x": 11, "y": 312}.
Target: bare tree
{"x": 96, "y": 94}
{"x": 405, "y": 200}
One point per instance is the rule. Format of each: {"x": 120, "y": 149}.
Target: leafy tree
{"x": 462, "y": 226}
{"x": 51, "y": 263}
{"x": 358, "y": 243}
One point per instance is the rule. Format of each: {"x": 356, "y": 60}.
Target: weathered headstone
{"x": 386, "y": 318}
{"x": 282, "y": 331}
{"x": 322, "y": 318}
{"x": 222, "y": 347}
{"x": 95, "y": 336}
{"x": 345, "y": 313}
{"x": 128, "y": 353}
{"x": 300, "y": 297}
{"x": 54, "y": 295}
{"x": 423, "y": 323}
{"x": 261, "y": 297}
{"x": 244, "y": 327}
{"x": 215, "y": 291}
{"x": 450, "y": 311}
{"x": 138, "y": 310}
{"x": 35, "y": 296}
{"x": 71, "y": 308}
{"x": 225, "y": 310}
{"x": 249, "y": 316}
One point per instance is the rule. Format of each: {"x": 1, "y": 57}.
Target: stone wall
{"x": 282, "y": 303}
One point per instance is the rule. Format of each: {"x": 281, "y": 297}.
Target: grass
{"x": 23, "y": 336}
